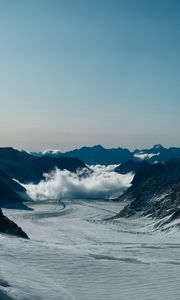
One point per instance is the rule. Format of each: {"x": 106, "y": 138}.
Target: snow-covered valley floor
{"x": 73, "y": 254}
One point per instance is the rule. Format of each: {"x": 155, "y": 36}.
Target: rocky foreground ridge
{"x": 9, "y": 227}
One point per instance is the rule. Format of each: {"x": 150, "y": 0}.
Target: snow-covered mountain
{"x": 93, "y": 155}
{"x": 26, "y": 167}
{"x": 81, "y": 248}
{"x": 100, "y": 155}
{"x": 157, "y": 153}
{"x": 155, "y": 192}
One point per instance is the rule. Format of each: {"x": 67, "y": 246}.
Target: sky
{"x": 81, "y": 72}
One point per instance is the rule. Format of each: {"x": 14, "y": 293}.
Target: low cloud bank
{"x": 102, "y": 183}
{"x": 142, "y": 155}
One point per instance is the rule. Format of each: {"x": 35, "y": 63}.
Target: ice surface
{"x": 74, "y": 254}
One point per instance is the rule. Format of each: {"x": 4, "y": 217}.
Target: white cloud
{"x": 102, "y": 183}
{"x": 142, "y": 155}
{"x": 50, "y": 151}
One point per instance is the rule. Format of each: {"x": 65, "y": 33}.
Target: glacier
{"x": 73, "y": 254}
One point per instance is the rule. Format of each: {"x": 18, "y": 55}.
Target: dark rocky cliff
{"x": 155, "y": 192}
{"x": 27, "y": 168}
{"x": 9, "y": 227}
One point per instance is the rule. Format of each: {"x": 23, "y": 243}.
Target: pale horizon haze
{"x": 81, "y": 73}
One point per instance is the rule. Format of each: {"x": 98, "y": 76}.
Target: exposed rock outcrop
{"x": 155, "y": 192}
{"x": 131, "y": 166}
{"x": 27, "y": 168}
{"x": 9, "y": 190}
{"x": 9, "y": 227}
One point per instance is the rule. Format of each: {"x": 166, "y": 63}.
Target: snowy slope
{"x": 73, "y": 254}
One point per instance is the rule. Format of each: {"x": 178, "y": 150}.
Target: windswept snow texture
{"x": 74, "y": 255}
{"x": 102, "y": 183}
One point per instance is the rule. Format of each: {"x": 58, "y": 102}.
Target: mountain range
{"x": 20, "y": 166}
{"x": 100, "y": 155}
{"x": 25, "y": 167}
{"x": 155, "y": 191}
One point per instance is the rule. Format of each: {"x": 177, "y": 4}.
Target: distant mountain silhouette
{"x": 95, "y": 155}
{"x": 157, "y": 153}
{"x": 100, "y": 155}
{"x": 25, "y": 167}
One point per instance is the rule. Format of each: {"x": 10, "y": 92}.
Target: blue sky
{"x": 76, "y": 73}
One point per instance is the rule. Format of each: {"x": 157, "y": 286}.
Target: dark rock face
{"x": 4, "y": 296}
{"x": 9, "y": 189}
{"x": 96, "y": 155}
{"x": 27, "y": 168}
{"x": 100, "y": 155}
{"x": 155, "y": 191}
{"x": 167, "y": 204}
{"x": 9, "y": 227}
{"x": 131, "y": 166}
